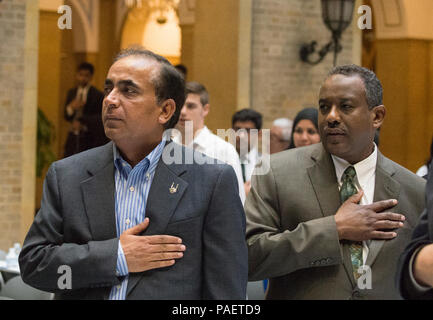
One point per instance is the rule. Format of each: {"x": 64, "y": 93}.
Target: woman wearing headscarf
{"x": 305, "y": 129}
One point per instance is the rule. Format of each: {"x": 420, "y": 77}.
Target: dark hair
{"x": 168, "y": 84}
{"x": 306, "y": 114}
{"x": 86, "y": 66}
{"x": 197, "y": 88}
{"x": 373, "y": 87}
{"x": 183, "y": 69}
{"x": 248, "y": 115}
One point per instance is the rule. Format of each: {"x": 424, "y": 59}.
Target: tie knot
{"x": 349, "y": 173}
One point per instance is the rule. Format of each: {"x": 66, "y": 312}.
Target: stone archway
{"x": 140, "y": 28}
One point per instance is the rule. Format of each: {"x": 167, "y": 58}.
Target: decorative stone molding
{"x": 88, "y": 12}
{"x": 121, "y": 15}
{"x": 403, "y": 19}
{"x": 186, "y": 12}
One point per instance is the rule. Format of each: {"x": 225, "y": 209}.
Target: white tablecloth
{"x": 12, "y": 269}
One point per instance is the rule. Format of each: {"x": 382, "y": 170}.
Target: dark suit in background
{"x": 90, "y": 118}
{"x": 422, "y": 235}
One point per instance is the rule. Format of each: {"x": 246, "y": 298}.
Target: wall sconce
{"x": 337, "y": 16}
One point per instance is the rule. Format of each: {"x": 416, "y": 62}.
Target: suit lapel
{"x": 325, "y": 185}
{"x": 98, "y": 193}
{"x": 385, "y": 187}
{"x": 323, "y": 179}
{"x": 161, "y": 203}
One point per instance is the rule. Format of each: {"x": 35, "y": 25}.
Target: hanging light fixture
{"x": 337, "y": 16}
{"x": 162, "y": 7}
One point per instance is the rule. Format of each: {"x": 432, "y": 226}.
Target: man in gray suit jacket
{"x": 319, "y": 223}
{"x": 127, "y": 219}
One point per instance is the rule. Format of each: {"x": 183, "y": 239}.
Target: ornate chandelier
{"x": 162, "y": 7}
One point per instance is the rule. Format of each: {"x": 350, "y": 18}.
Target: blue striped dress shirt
{"x": 132, "y": 189}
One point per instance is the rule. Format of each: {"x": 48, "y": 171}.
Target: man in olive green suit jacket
{"x": 298, "y": 230}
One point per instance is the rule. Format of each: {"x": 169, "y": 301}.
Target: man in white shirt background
{"x": 247, "y": 124}
{"x": 194, "y": 133}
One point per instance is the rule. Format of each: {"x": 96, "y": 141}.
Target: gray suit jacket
{"x": 76, "y": 227}
{"x": 292, "y": 236}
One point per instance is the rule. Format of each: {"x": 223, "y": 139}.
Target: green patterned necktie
{"x": 348, "y": 189}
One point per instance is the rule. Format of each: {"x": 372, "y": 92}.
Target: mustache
{"x": 327, "y": 130}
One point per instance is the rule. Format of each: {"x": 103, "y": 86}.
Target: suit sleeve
{"x": 92, "y": 119}
{"x": 273, "y": 251}
{"x": 92, "y": 264}
{"x": 69, "y": 97}
{"x": 225, "y": 257}
{"x": 420, "y": 238}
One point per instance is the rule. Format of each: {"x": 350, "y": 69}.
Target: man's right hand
{"x": 144, "y": 253}
{"x": 365, "y": 222}
{"x": 76, "y": 104}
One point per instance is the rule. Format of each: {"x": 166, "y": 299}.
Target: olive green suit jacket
{"x": 292, "y": 236}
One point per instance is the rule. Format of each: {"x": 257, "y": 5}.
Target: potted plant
{"x": 45, "y": 136}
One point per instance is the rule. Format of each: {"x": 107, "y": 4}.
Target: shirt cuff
{"x": 418, "y": 287}
{"x": 69, "y": 111}
{"x": 122, "y": 266}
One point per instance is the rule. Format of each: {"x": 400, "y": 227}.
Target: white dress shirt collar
{"x": 365, "y": 169}
{"x": 202, "y": 138}
{"x": 251, "y": 157}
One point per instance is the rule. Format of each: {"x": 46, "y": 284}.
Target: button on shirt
{"x": 132, "y": 189}
{"x": 365, "y": 180}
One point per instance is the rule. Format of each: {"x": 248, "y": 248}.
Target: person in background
{"x": 83, "y": 110}
{"x": 192, "y": 132}
{"x": 305, "y": 130}
{"x": 425, "y": 169}
{"x": 243, "y": 121}
{"x": 182, "y": 69}
{"x": 414, "y": 275}
{"x": 280, "y": 135}
{"x": 77, "y": 139}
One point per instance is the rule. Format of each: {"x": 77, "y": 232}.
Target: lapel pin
{"x": 173, "y": 189}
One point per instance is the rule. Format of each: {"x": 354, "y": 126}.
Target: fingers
{"x": 387, "y": 224}
{"x": 163, "y": 239}
{"x": 391, "y": 216}
{"x": 168, "y": 248}
{"x": 379, "y": 206}
{"x": 356, "y": 197}
{"x": 382, "y": 235}
{"x": 138, "y": 228}
{"x": 162, "y": 256}
{"x": 159, "y": 264}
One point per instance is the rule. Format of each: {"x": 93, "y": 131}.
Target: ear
{"x": 168, "y": 107}
{"x": 378, "y": 114}
{"x": 206, "y": 109}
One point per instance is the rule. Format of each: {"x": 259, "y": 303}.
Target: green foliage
{"x": 46, "y": 134}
